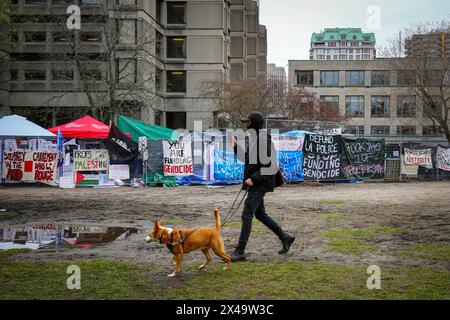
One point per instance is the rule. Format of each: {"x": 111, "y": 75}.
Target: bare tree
{"x": 115, "y": 59}
{"x": 234, "y": 100}
{"x": 422, "y": 63}
{"x": 304, "y": 105}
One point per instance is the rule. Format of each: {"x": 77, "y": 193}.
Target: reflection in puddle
{"x": 57, "y": 236}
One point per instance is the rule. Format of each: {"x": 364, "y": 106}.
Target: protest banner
{"x": 443, "y": 158}
{"x": 22, "y": 166}
{"x": 177, "y": 158}
{"x": 363, "y": 158}
{"x": 226, "y": 166}
{"x": 321, "y": 157}
{"x": 288, "y": 143}
{"x": 119, "y": 171}
{"x": 418, "y": 156}
{"x": 91, "y": 160}
{"x": 291, "y": 163}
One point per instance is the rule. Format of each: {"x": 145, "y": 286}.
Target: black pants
{"x": 254, "y": 206}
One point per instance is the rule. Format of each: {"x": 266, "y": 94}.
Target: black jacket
{"x": 261, "y": 181}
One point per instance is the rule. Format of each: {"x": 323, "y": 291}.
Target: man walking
{"x": 259, "y": 178}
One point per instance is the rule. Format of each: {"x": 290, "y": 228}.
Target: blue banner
{"x": 291, "y": 163}
{"x": 227, "y": 167}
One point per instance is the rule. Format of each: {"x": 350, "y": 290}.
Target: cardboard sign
{"x": 177, "y": 158}
{"x": 91, "y": 160}
{"x": 119, "y": 171}
{"x": 29, "y": 166}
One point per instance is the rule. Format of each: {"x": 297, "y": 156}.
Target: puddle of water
{"x": 59, "y": 236}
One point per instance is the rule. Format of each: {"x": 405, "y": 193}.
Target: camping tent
{"x": 85, "y": 127}
{"x": 139, "y": 128}
{"x": 17, "y": 126}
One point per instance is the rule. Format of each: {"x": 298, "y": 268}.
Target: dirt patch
{"x": 418, "y": 211}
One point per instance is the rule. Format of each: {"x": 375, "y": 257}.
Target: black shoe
{"x": 287, "y": 241}
{"x": 238, "y": 255}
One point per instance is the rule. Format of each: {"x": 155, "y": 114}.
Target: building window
{"x": 14, "y": 75}
{"x": 159, "y": 44}
{"x": 35, "y": 1}
{"x": 304, "y": 78}
{"x": 158, "y": 80}
{"x": 91, "y": 75}
{"x": 356, "y": 130}
{"x": 354, "y": 78}
{"x": 329, "y": 78}
{"x": 406, "y": 78}
{"x": 382, "y": 130}
{"x": 354, "y": 106}
{"x": 91, "y": 2}
{"x": 62, "y": 75}
{"x": 62, "y": 36}
{"x": 406, "y": 106}
{"x": 14, "y": 36}
{"x": 91, "y": 36}
{"x": 354, "y": 44}
{"x": 406, "y": 130}
{"x": 34, "y": 75}
{"x": 176, "y": 13}
{"x": 126, "y": 71}
{"x": 432, "y": 131}
{"x": 159, "y": 5}
{"x": 380, "y": 106}
{"x": 334, "y": 100}
{"x": 332, "y": 44}
{"x": 176, "y": 47}
{"x": 433, "y": 78}
{"x": 176, "y": 81}
{"x": 39, "y": 36}
{"x": 381, "y": 78}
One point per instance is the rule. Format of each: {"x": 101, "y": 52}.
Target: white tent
{"x": 17, "y": 126}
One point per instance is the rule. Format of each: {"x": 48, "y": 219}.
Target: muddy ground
{"x": 420, "y": 209}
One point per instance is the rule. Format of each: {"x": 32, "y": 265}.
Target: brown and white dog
{"x": 181, "y": 241}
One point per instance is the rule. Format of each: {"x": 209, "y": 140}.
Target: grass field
{"x": 107, "y": 279}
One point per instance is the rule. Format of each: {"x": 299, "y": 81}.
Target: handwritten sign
{"x": 177, "y": 158}
{"x": 119, "y": 171}
{"x": 363, "y": 158}
{"x": 421, "y": 157}
{"x": 321, "y": 160}
{"x": 288, "y": 143}
{"x": 443, "y": 158}
{"x": 29, "y": 166}
{"x": 91, "y": 160}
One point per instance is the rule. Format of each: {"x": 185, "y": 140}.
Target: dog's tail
{"x": 217, "y": 217}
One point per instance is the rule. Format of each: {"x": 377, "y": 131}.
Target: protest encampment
{"x": 233, "y": 157}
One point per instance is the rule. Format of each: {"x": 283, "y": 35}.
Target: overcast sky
{"x": 290, "y": 23}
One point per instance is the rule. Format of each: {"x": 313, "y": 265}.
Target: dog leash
{"x": 231, "y": 214}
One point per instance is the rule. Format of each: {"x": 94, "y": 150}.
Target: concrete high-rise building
{"x": 275, "y": 73}
{"x": 433, "y": 45}
{"x": 342, "y": 44}
{"x": 166, "y": 48}
{"x": 248, "y": 52}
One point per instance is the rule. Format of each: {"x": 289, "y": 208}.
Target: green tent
{"x": 139, "y": 128}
